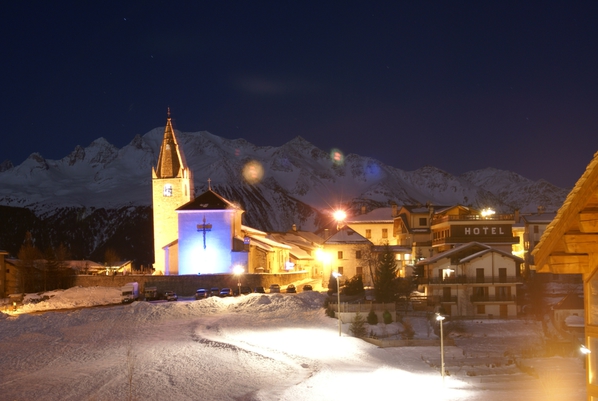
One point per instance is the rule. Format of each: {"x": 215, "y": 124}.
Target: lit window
{"x": 385, "y": 233}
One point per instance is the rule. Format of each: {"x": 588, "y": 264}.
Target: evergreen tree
{"x": 386, "y": 272}
{"x": 358, "y": 326}
{"x": 354, "y": 286}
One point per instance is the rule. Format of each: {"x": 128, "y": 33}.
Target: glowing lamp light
{"x": 486, "y": 213}
{"x": 339, "y": 215}
{"x": 584, "y": 350}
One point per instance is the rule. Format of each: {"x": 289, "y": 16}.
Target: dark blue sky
{"x": 456, "y": 85}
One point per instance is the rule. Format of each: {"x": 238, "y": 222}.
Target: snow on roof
{"x": 346, "y": 235}
{"x": 380, "y": 215}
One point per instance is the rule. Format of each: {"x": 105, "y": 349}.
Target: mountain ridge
{"x": 301, "y": 184}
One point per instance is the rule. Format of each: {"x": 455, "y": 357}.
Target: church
{"x": 203, "y": 235}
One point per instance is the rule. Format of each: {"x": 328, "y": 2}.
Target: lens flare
{"x": 253, "y": 172}
{"x": 337, "y": 156}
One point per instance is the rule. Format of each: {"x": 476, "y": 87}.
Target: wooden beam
{"x": 578, "y": 242}
{"x": 588, "y": 221}
{"x": 566, "y": 263}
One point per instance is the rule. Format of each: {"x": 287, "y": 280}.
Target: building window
{"x": 423, "y": 221}
{"x": 385, "y": 233}
{"x": 368, "y": 233}
{"x": 481, "y": 309}
{"x": 359, "y": 270}
{"x": 536, "y": 230}
{"x": 357, "y": 254}
{"x": 167, "y": 190}
{"x": 340, "y": 254}
{"x": 340, "y": 270}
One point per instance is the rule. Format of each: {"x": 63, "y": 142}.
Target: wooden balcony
{"x": 478, "y": 238}
{"x": 492, "y": 298}
{"x": 473, "y": 217}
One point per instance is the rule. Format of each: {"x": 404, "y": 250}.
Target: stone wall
{"x": 187, "y": 285}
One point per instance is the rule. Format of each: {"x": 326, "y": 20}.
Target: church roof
{"x": 209, "y": 200}
{"x": 171, "y": 160}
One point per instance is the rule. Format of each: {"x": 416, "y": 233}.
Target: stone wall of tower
{"x": 165, "y": 216}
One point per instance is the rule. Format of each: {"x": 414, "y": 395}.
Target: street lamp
{"x": 238, "y": 270}
{"x": 339, "y": 216}
{"x": 338, "y": 305}
{"x": 440, "y": 318}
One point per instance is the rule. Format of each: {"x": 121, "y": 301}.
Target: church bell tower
{"x": 172, "y": 186}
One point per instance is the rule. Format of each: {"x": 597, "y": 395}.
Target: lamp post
{"x": 338, "y": 305}
{"x": 440, "y": 318}
{"x": 238, "y": 270}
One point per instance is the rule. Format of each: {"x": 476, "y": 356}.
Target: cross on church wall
{"x": 205, "y": 227}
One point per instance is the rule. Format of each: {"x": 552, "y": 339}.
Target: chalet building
{"x": 456, "y": 225}
{"x": 569, "y": 245}
{"x": 472, "y": 279}
{"x": 376, "y": 226}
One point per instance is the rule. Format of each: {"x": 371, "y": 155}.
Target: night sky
{"x": 457, "y": 85}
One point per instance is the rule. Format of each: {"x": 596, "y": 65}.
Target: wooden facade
{"x": 570, "y": 246}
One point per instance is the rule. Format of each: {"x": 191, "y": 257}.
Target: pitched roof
{"x": 467, "y": 249}
{"x": 209, "y": 200}
{"x": 380, "y": 215}
{"x": 347, "y": 235}
{"x": 566, "y": 218}
{"x": 171, "y": 159}
{"x": 570, "y": 301}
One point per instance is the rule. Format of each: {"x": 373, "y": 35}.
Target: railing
{"x": 492, "y": 298}
{"x": 478, "y": 238}
{"x": 470, "y": 280}
{"x": 473, "y": 217}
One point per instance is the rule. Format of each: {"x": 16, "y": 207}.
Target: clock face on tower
{"x": 167, "y": 190}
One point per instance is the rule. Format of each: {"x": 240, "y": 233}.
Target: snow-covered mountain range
{"x": 300, "y": 184}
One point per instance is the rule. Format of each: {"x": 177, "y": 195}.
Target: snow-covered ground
{"x": 259, "y": 347}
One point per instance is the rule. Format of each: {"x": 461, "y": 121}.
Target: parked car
{"x": 226, "y": 292}
{"x": 170, "y": 296}
{"x": 259, "y": 290}
{"x": 201, "y": 293}
{"x": 291, "y": 289}
{"x": 274, "y": 288}
{"x": 214, "y": 292}
{"x": 245, "y": 290}
{"x": 307, "y": 287}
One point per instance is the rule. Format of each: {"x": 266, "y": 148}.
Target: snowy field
{"x": 259, "y": 347}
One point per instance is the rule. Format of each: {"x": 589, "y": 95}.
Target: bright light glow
{"x": 336, "y": 274}
{"x": 439, "y": 317}
{"x": 322, "y": 256}
{"x": 238, "y": 269}
{"x": 253, "y": 172}
{"x": 487, "y": 212}
{"x": 337, "y": 156}
{"x": 584, "y": 350}
{"x": 339, "y": 215}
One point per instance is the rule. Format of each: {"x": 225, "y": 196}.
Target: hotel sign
{"x": 482, "y": 231}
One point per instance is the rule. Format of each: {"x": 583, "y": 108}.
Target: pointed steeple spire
{"x": 170, "y": 161}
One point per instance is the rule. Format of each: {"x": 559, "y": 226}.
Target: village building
{"x": 376, "y": 226}
{"x": 569, "y": 245}
{"x": 456, "y": 225}
{"x": 347, "y": 252}
{"x": 472, "y": 279}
